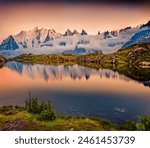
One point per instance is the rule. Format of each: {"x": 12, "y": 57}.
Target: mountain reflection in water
{"x": 58, "y": 72}
{"x": 76, "y": 90}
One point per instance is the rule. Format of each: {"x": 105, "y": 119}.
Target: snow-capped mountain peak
{"x": 68, "y": 33}
{"x": 33, "y": 38}
{"x": 75, "y": 32}
{"x": 147, "y": 25}
{"x": 49, "y": 41}
{"x": 83, "y": 32}
{"x": 9, "y": 44}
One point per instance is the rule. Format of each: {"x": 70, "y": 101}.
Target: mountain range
{"x": 72, "y": 42}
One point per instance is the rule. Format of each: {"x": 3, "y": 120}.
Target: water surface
{"x": 76, "y": 90}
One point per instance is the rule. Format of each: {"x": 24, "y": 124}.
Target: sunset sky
{"x": 92, "y": 17}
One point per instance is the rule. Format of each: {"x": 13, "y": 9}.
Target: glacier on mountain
{"x": 141, "y": 36}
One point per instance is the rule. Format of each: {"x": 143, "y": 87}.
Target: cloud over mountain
{"x": 49, "y": 41}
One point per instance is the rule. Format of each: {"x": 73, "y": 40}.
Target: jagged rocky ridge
{"x": 73, "y": 42}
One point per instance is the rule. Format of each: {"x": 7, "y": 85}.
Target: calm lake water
{"x": 76, "y": 90}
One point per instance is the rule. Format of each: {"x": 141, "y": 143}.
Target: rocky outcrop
{"x": 68, "y": 33}
{"x": 139, "y": 50}
{"x": 15, "y": 125}
{"x": 19, "y": 124}
{"x": 9, "y": 44}
{"x": 125, "y": 29}
{"x": 83, "y": 32}
{"x": 144, "y": 63}
{"x": 146, "y": 25}
{"x": 75, "y": 32}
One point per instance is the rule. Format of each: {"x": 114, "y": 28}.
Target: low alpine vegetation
{"x": 44, "y": 111}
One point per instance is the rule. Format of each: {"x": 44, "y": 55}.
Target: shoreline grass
{"x": 21, "y": 119}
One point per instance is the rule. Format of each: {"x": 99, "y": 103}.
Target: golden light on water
{"x": 13, "y": 81}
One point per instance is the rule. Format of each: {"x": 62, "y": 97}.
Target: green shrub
{"x": 44, "y": 111}
{"x": 47, "y": 113}
{"x": 130, "y": 126}
{"x": 33, "y": 106}
{"x": 144, "y": 124}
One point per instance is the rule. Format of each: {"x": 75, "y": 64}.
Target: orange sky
{"x": 17, "y": 17}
